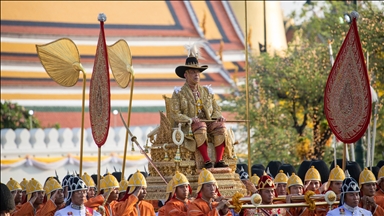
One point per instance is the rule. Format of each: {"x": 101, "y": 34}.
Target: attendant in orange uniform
{"x": 168, "y": 191}
{"x": 23, "y": 185}
{"x": 122, "y": 189}
{"x": 35, "y": 198}
{"x": 107, "y": 199}
{"x": 380, "y": 183}
{"x": 367, "y": 183}
{"x": 178, "y": 204}
{"x": 16, "y": 190}
{"x": 280, "y": 181}
{"x": 204, "y": 204}
{"x": 335, "y": 181}
{"x": 267, "y": 192}
{"x": 132, "y": 204}
{"x": 312, "y": 180}
{"x": 54, "y": 198}
{"x": 91, "y": 191}
{"x": 296, "y": 187}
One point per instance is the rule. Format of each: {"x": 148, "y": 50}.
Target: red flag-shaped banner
{"x": 347, "y": 97}
{"x": 99, "y": 92}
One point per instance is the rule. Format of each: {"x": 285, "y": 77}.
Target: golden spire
{"x": 250, "y": 37}
{"x": 203, "y": 23}
{"x": 235, "y": 74}
{"x": 221, "y": 48}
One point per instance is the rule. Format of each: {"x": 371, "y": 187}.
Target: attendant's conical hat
{"x": 366, "y": 176}
{"x": 136, "y": 180}
{"x": 281, "y": 177}
{"x": 312, "y": 175}
{"x": 50, "y": 186}
{"x": 294, "y": 180}
{"x": 180, "y": 179}
{"x": 88, "y": 180}
{"x": 336, "y": 174}
{"x": 33, "y": 186}
{"x": 108, "y": 182}
{"x": 255, "y": 179}
{"x": 13, "y": 185}
{"x": 123, "y": 185}
{"x": 23, "y": 184}
{"x": 205, "y": 177}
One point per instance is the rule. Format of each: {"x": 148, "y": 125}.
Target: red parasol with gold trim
{"x": 347, "y": 96}
{"x": 99, "y": 94}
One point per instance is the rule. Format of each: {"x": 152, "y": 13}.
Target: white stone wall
{"x": 50, "y": 142}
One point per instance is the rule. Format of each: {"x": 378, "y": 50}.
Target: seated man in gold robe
{"x": 192, "y": 103}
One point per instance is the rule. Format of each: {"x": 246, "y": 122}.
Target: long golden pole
{"x": 129, "y": 120}
{"x": 344, "y": 156}
{"x": 284, "y": 205}
{"x": 247, "y": 89}
{"x": 98, "y": 169}
{"x": 82, "y": 124}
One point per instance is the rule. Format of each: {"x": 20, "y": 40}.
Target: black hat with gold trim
{"x": 74, "y": 184}
{"x": 191, "y": 62}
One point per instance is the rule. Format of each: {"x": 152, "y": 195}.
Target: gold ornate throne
{"x": 168, "y": 158}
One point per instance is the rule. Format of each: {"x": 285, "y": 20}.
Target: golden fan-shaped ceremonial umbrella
{"x": 61, "y": 61}
{"x": 120, "y": 61}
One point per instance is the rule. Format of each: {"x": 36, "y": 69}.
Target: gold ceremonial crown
{"x": 336, "y": 174}
{"x": 33, "y": 186}
{"x": 366, "y": 176}
{"x": 281, "y": 177}
{"x": 312, "y": 174}
{"x": 50, "y": 186}
{"x": 88, "y": 180}
{"x": 13, "y": 185}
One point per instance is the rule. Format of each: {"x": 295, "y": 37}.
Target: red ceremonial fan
{"x": 99, "y": 93}
{"x": 347, "y": 97}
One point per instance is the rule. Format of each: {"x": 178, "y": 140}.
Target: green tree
{"x": 15, "y": 116}
{"x": 295, "y": 80}
{"x": 331, "y": 26}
